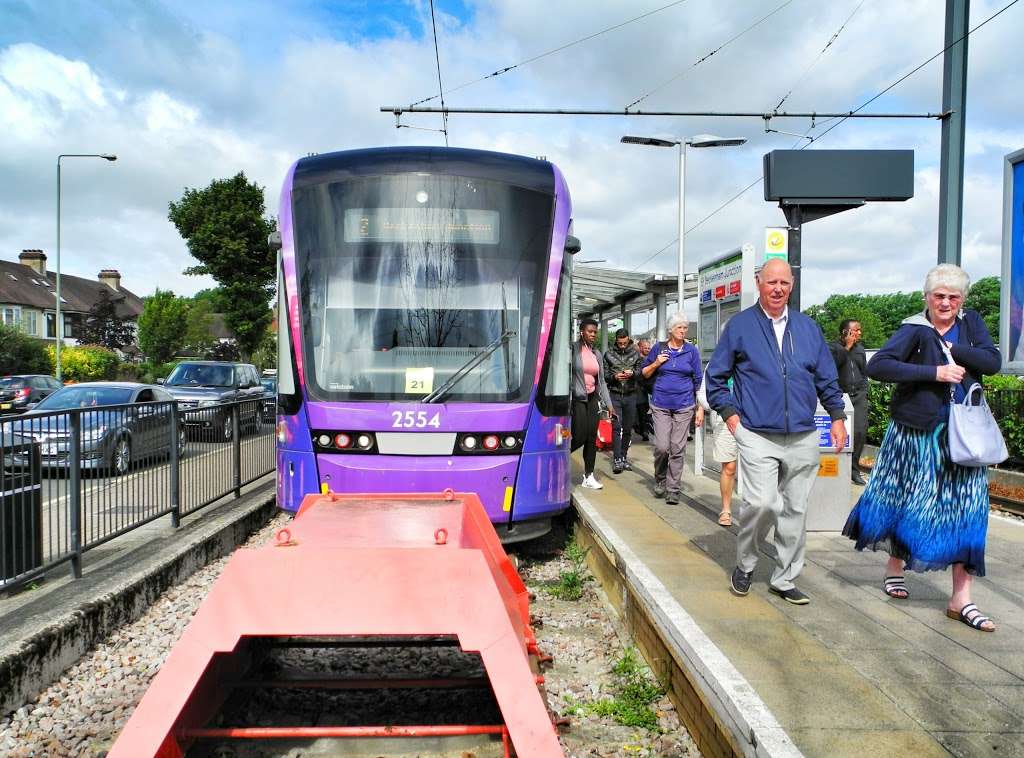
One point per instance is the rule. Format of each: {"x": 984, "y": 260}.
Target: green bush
{"x": 1005, "y": 395}
{"x": 21, "y": 354}
{"x": 86, "y": 363}
{"x": 879, "y": 395}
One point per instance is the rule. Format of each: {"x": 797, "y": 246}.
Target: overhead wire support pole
{"x": 951, "y": 164}
{"x": 398, "y": 110}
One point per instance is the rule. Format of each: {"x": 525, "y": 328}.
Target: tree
{"x": 162, "y": 325}
{"x": 879, "y": 315}
{"x": 984, "y": 298}
{"x": 198, "y": 337}
{"x": 225, "y": 229}
{"x": 21, "y": 354}
{"x": 838, "y": 308}
{"x": 103, "y": 326}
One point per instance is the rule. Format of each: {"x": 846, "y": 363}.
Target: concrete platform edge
{"x": 742, "y": 711}
{"x": 37, "y": 658}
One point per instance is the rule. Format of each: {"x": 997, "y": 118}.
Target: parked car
{"x": 269, "y": 396}
{"x": 19, "y": 393}
{"x": 122, "y": 423}
{"x": 204, "y": 390}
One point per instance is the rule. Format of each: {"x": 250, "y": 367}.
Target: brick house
{"x": 28, "y": 297}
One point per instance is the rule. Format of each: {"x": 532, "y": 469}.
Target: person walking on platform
{"x": 723, "y": 452}
{"x": 923, "y": 509}
{"x": 589, "y": 394}
{"x": 643, "y": 401}
{"x": 780, "y": 367}
{"x": 621, "y": 369}
{"x": 675, "y": 368}
{"x": 851, "y": 365}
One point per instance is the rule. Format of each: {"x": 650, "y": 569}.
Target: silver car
{"x": 121, "y": 423}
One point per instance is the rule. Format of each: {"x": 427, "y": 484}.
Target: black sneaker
{"x": 617, "y": 466}
{"x": 740, "y": 581}
{"x": 626, "y": 466}
{"x": 659, "y": 490}
{"x": 792, "y": 595}
{"x": 672, "y": 498}
{"x": 857, "y": 479}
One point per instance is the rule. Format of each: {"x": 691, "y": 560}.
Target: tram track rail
{"x": 1008, "y": 505}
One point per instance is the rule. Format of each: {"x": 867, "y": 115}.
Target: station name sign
{"x": 722, "y": 280}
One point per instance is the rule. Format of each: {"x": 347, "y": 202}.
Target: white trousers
{"x": 778, "y": 473}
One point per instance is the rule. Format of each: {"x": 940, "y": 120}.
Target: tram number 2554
{"x": 414, "y": 420}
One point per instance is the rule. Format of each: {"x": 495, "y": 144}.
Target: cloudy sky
{"x": 188, "y": 91}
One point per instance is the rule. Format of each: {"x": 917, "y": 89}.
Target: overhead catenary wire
{"x": 813, "y": 63}
{"x": 841, "y": 120}
{"x": 914, "y": 70}
{"x": 545, "y": 54}
{"x": 440, "y": 86}
{"x": 708, "y": 55}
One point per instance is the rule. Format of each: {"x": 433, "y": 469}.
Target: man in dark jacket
{"x": 780, "y": 367}
{"x": 851, "y": 365}
{"x": 621, "y": 368}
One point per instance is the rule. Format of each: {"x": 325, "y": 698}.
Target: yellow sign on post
{"x": 776, "y": 242}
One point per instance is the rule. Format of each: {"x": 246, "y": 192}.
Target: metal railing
{"x": 73, "y": 480}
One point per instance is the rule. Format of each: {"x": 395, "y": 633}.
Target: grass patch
{"x": 635, "y": 692}
{"x": 569, "y": 585}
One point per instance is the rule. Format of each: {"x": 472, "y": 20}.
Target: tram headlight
{"x": 469, "y": 442}
{"x": 342, "y": 441}
{"x": 364, "y": 441}
{"x": 510, "y": 441}
{"x": 491, "y": 442}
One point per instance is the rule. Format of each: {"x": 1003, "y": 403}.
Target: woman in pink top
{"x": 589, "y": 391}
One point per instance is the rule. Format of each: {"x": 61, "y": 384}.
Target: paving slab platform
{"x": 855, "y": 672}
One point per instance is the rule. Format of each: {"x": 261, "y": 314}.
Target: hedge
{"x": 1005, "y": 395}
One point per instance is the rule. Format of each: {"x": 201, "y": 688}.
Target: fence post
{"x": 75, "y": 491}
{"x": 236, "y": 438}
{"x": 175, "y": 466}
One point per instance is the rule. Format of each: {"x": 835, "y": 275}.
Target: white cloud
{"x": 185, "y": 100}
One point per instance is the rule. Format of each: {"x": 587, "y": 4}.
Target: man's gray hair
{"x": 949, "y": 276}
{"x": 676, "y": 319}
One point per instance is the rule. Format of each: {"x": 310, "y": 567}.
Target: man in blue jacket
{"x": 780, "y": 367}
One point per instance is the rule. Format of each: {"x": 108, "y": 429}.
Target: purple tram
{"x": 424, "y": 329}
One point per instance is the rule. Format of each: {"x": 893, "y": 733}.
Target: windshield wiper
{"x": 471, "y": 364}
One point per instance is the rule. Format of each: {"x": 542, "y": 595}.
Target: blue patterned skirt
{"x": 920, "y": 506}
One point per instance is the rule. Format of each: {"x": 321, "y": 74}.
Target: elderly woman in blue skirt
{"x": 924, "y": 510}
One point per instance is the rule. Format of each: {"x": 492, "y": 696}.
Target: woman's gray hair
{"x": 676, "y": 319}
{"x": 949, "y": 276}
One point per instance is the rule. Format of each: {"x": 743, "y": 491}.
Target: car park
{"x": 20, "y": 393}
{"x": 205, "y": 391}
{"x": 121, "y": 424}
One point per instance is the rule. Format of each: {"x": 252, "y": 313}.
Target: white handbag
{"x": 974, "y": 435}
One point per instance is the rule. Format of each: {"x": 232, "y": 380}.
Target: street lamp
{"x": 700, "y": 140}
{"x": 59, "y": 325}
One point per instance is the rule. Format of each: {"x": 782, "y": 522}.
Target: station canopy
{"x": 607, "y": 291}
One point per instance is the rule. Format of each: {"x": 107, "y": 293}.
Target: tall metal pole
{"x": 954, "y": 102}
{"x": 58, "y": 324}
{"x": 682, "y": 221}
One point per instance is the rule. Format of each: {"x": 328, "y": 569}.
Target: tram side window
{"x": 287, "y": 392}
{"x": 557, "y": 383}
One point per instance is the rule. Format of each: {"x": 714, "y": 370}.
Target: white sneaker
{"x": 591, "y": 483}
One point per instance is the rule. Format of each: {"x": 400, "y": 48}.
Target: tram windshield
{"x": 406, "y": 280}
